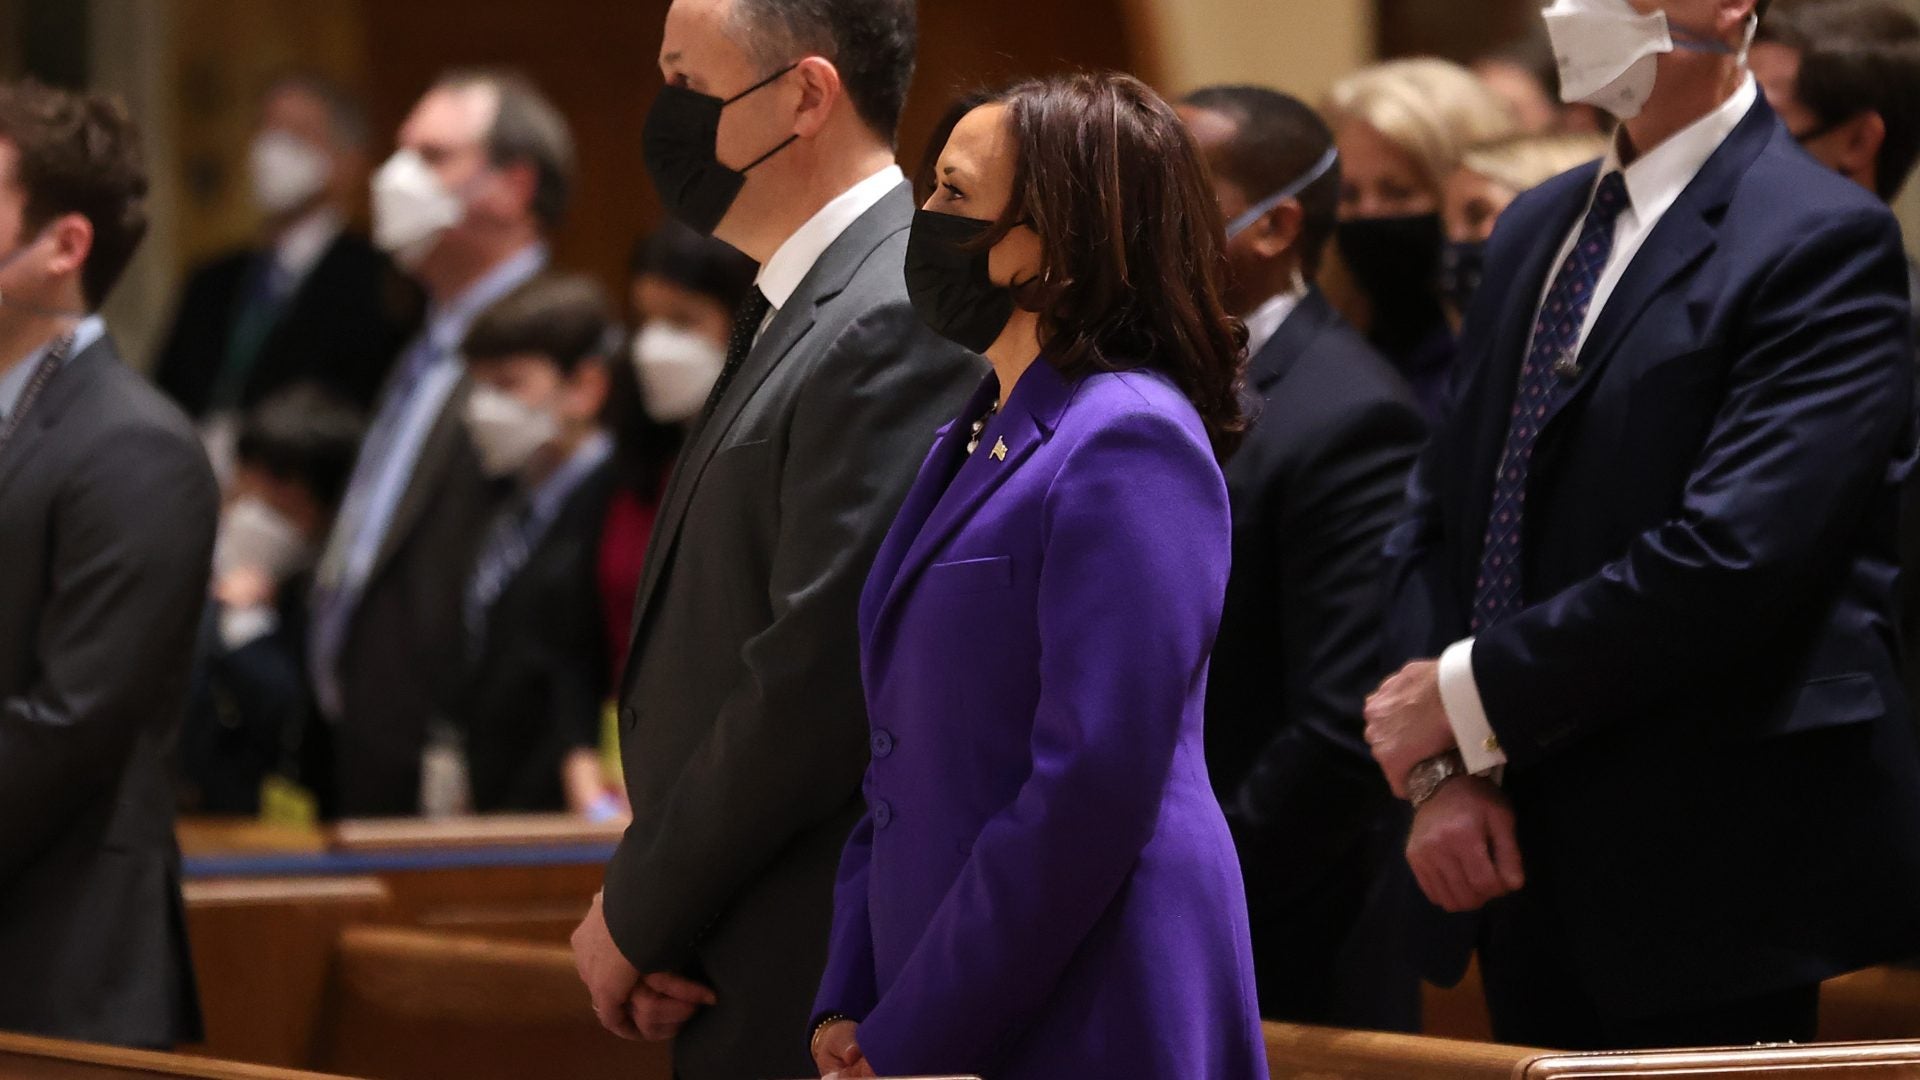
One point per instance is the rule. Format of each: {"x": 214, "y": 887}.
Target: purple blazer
{"x": 1043, "y": 886}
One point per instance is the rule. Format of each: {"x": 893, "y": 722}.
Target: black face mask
{"x": 1462, "y": 265}
{"x": 949, "y": 282}
{"x": 681, "y": 134}
{"x": 1396, "y": 262}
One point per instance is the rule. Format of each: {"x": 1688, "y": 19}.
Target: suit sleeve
{"x": 1345, "y": 497}
{"x": 787, "y": 750}
{"x": 1815, "y": 408}
{"x": 133, "y": 546}
{"x": 1138, "y": 503}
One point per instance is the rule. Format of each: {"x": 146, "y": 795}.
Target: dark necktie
{"x": 746, "y": 328}
{"x": 502, "y": 556}
{"x": 43, "y": 374}
{"x": 1556, "y": 342}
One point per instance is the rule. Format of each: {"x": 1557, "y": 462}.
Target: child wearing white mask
{"x": 248, "y": 729}
{"x": 529, "y": 727}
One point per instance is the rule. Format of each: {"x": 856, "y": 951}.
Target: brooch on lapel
{"x": 999, "y": 451}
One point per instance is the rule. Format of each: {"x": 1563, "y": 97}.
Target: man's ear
{"x": 1860, "y": 141}
{"x": 588, "y": 389}
{"x": 1279, "y": 231}
{"x": 72, "y": 236}
{"x": 820, "y": 93}
{"x": 519, "y": 183}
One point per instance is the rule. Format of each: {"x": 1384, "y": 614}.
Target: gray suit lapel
{"x": 828, "y": 278}
{"x": 65, "y": 388}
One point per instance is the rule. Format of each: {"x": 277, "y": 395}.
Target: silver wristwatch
{"x": 1426, "y": 779}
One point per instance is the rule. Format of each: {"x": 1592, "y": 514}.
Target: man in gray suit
{"x": 742, "y": 719}
{"x": 107, "y": 511}
{"x": 481, "y": 175}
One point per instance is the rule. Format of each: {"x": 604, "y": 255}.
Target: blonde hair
{"x": 1527, "y": 161}
{"x": 1431, "y": 110}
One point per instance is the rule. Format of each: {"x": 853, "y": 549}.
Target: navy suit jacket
{"x": 1717, "y": 787}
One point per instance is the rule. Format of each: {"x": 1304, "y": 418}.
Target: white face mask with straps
{"x": 412, "y": 208}
{"x": 506, "y": 431}
{"x": 1608, "y": 52}
{"x": 677, "y": 369}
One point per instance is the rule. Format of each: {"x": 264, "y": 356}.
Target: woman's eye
{"x": 952, "y": 192}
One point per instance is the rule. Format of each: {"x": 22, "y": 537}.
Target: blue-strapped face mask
{"x": 1608, "y": 51}
{"x": 1265, "y": 206}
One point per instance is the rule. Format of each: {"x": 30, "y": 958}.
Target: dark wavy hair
{"x": 1133, "y": 245}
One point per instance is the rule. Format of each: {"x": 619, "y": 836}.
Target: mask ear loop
{"x": 761, "y": 85}
{"x": 1266, "y": 206}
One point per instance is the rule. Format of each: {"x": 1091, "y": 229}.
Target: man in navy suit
{"x": 1315, "y": 488}
{"x": 1653, "y": 723}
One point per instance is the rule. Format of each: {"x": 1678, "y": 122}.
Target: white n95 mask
{"x": 285, "y": 171}
{"x": 1608, "y": 52}
{"x": 255, "y": 535}
{"x": 677, "y": 369}
{"x": 411, "y": 208}
{"x": 506, "y": 431}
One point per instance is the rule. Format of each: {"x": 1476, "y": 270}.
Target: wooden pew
{"x": 262, "y": 950}
{"x": 25, "y": 1057}
{"x": 1816, "y": 1061}
{"x": 413, "y": 1005}
{"x": 1298, "y": 1052}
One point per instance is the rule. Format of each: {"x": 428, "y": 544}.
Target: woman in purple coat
{"x": 1043, "y": 887}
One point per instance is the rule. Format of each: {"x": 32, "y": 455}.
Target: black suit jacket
{"x": 743, "y": 724}
{"x": 1716, "y": 781}
{"x": 1316, "y": 486}
{"x": 539, "y": 681}
{"x": 341, "y": 328}
{"x": 250, "y": 712}
{"x": 107, "y": 513}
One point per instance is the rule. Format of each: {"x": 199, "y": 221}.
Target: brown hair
{"x": 1133, "y": 247}
{"x": 79, "y": 154}
{"x": 561, "y": 317}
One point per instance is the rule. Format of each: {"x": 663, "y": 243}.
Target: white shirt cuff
{"x": 1460, "y": 695}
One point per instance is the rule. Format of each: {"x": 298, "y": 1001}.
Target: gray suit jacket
{"x": 107, "y": 514}
{"x": 743, "y": 727}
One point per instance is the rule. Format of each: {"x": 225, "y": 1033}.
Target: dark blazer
{"x": 108, "y": 508}
{"x": 404, "y": 662}
{"x": 1715, "y": 778}
{"x": 742, "y": 728}
{"x": 250, "y": 711}
{"x": 1043, "y": 885}
{"x": 1316, "y": 486}
{"x": 536, "y": 687}
{"x": 341, "y": 328}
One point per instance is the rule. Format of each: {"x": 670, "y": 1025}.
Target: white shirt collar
{"x": 1265, "y": 321}
{"x": 1657, "y": 177}
{"x": 300, "y": 248}
{"x": 789, "y": 266}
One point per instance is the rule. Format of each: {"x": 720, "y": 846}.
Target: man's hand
{"x": 836, "y": 1049}
{"x": 609, "y": 977}
{"x": 1462, "y": 848}
{"x": 663, "y": 1003}
{"x": 1406, "y": 722}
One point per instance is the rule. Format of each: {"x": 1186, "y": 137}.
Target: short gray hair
{"x": 526, "y": 128}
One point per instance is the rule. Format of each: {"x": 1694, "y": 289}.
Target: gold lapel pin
{"x": 999, "y": 452}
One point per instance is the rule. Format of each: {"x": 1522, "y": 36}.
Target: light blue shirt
{"x": 385, "y": 470}
{"x": 14, "y": 382}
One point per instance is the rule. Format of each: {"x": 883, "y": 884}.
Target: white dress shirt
{"x": 1654, "y": 182}
{"x": 301, "y": 247}
{"x": 782, "y": 274}
{"x": 1267, "y": 319}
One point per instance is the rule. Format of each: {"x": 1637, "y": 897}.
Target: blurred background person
{"x": 107, "y": 514}
{"x": 1844, "y": 75}
{"x": 482, "y": 174}
{"x": 537, "y": 676}
{"x": 250, "y": 714}
{"x": 1043, "y": 884}
{"x": 314, "y": 301}
{"x": 1401, "y": 127}
{"x": 683, "y": 289}
{"x": 1489, "y": 178}
{"x": 1525, "y": 75}
{"x": 1314, "y": 490}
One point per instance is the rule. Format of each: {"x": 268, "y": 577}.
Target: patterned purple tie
{"x": 1556, "y": 340}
